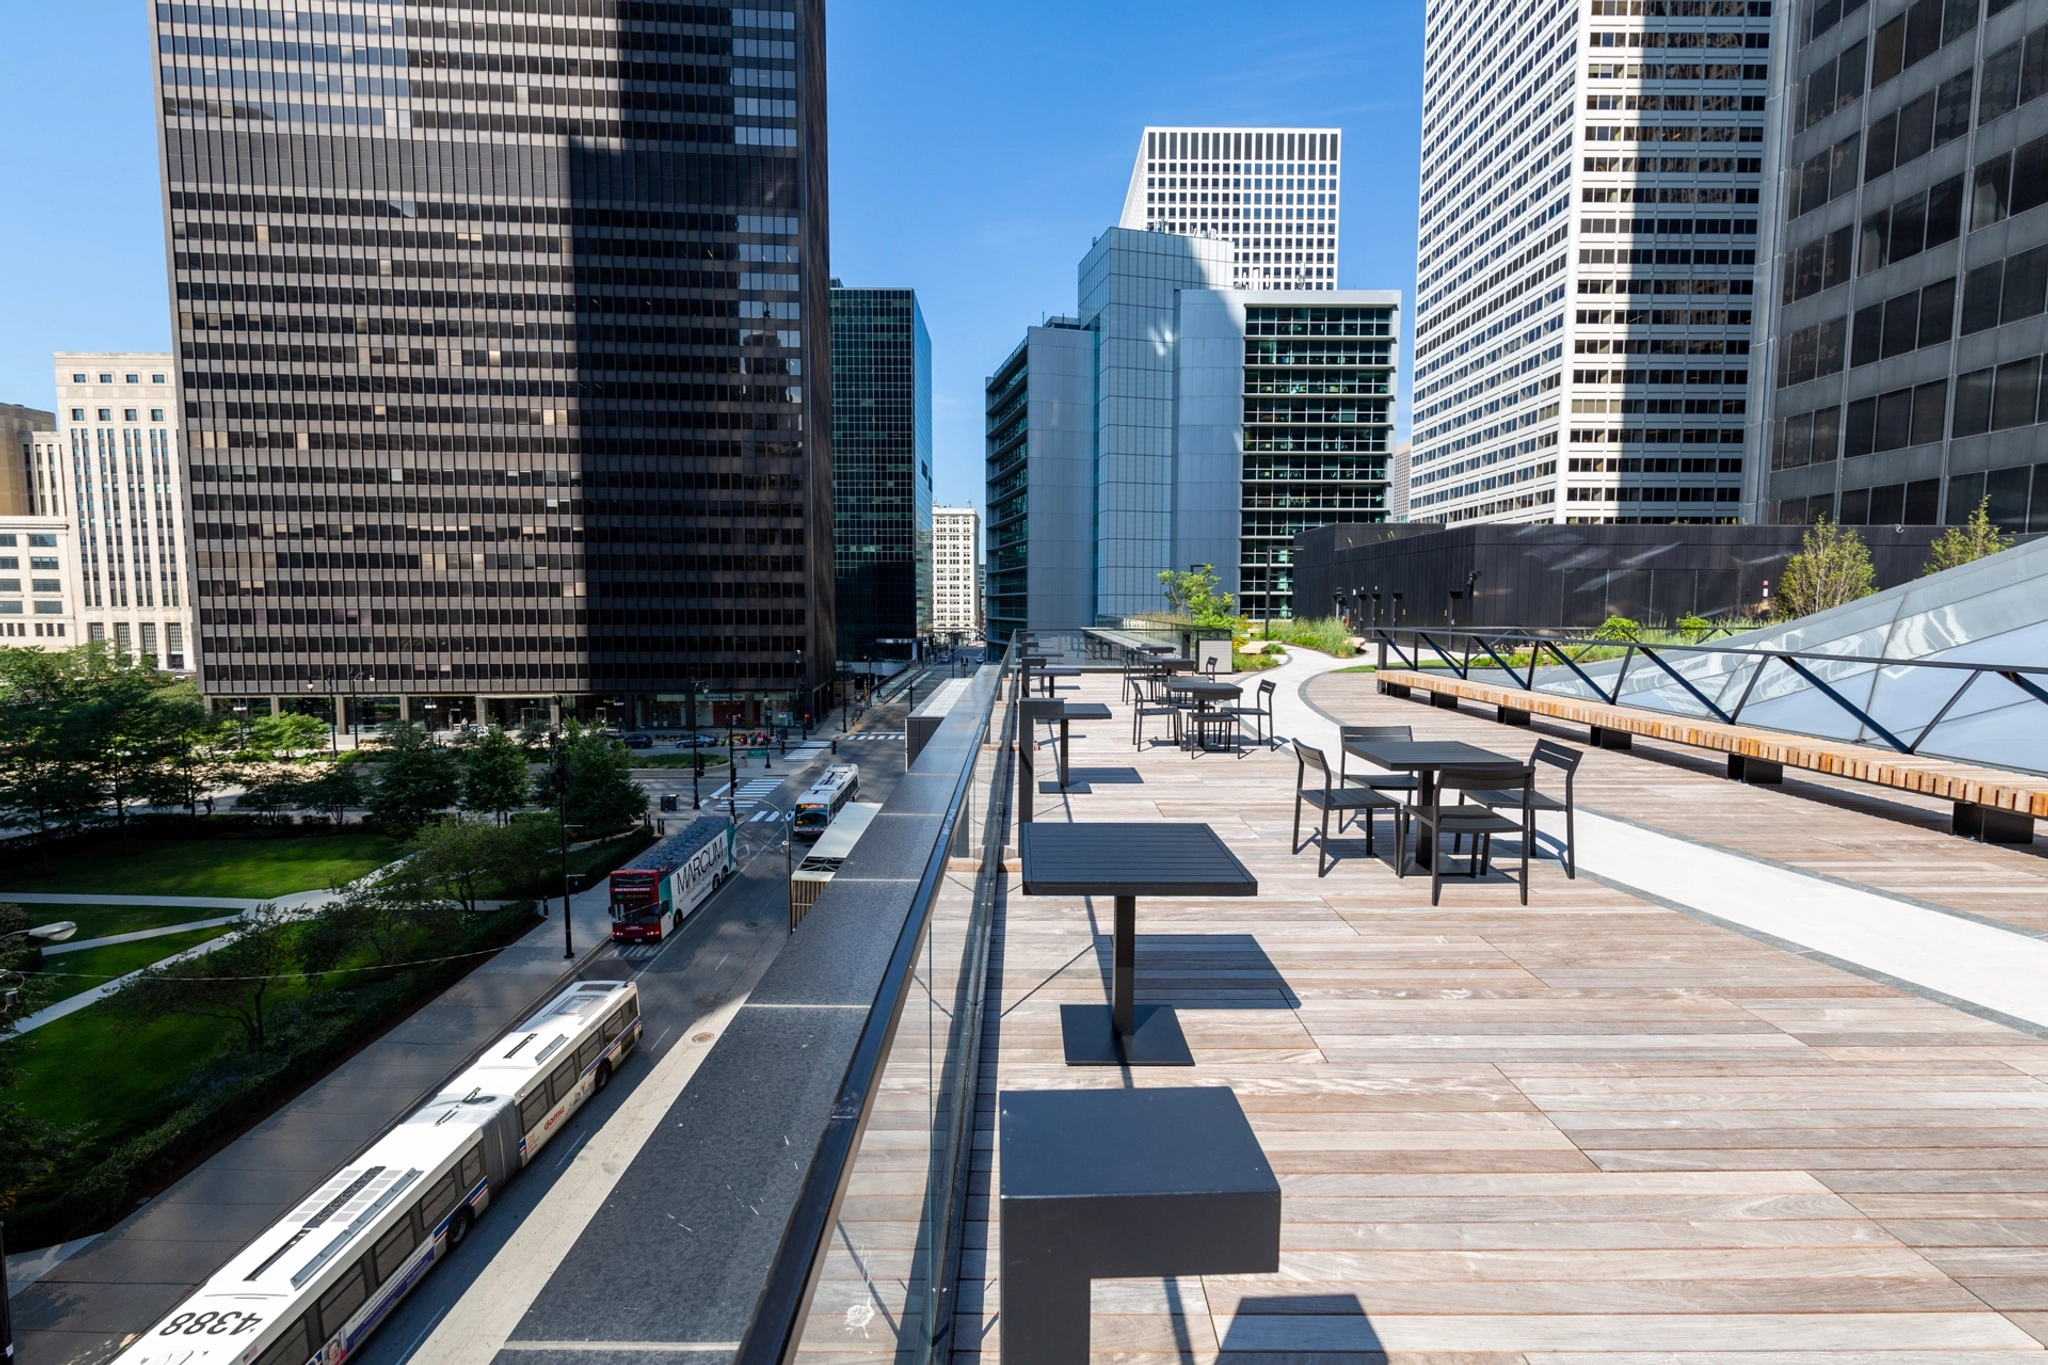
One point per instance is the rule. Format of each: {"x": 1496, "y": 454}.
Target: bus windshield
{"x": 813, "y": 816}
{"x": 633, "y": 893}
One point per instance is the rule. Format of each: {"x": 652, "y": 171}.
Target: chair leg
{"x": 1525, "y": 869}
{"x": 1323, "y": 845}
{"x": 1401, "y": 843}
{"x": 1571, "y": 845}
{"x": 1368, "y": 831}
{"x": 1436, "y": 869}
{"x": 1296, "y": 842}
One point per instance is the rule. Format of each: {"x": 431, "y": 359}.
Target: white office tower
{"x": 1271, "y": 193}
{"x": 1586, "y": 365}
{"x": 118, "y": 422}
{"x": 956, "y": 577}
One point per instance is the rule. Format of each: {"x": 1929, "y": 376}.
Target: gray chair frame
{"x": 1152, "y": 701}
{"x": 1436, "y": 819}
{"x": 1552, "y": 754}
{"x": 1261, "y": 710}
{"x": 1405, "y": 783}
{"x": 1331, "y": 798}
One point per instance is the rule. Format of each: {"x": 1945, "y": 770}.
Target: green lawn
{"x": 71, "y": 973}
{"x": 88, "y": 1068}
{"x": 1357, "y": 668}
{"x": 102, "y": 921}
{"x": 249, "y": 868}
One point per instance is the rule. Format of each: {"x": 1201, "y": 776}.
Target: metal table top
{"x": 1130, "y": 859}
{"x": 1408, "y": 755}
{"x": 1204, "y": 687}
{"x": 1087, "y": 710}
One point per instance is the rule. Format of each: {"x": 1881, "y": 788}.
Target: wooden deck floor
{"x": 1590, "y": 1129}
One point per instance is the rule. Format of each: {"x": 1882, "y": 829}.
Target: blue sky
{"x": 977, "y": 147}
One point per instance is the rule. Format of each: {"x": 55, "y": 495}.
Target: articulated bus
{"x": 819, "y": 866}
{"x": 817, "y": 808}
{"x": 657, "y": 891}
{"x": 311, "y": 1288}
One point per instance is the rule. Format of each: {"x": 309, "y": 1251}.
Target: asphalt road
{"x": 713, "y": 961}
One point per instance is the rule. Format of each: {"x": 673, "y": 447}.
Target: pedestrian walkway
{"x": 78, "y": 945}
{"x": 296, "y": 900}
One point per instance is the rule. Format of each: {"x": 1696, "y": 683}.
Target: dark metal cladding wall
{"x": 1550, "y": 575}
{"x": 504, "y": 345}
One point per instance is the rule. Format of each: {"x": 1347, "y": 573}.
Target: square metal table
{"x": 1423, "y": 757}
{"x": 1126, "y": 861}
{"x": 1048, "y": 674}
{"x": 1073, "y": 711}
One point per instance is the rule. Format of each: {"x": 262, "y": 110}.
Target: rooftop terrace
{"x": 1764, "y": 1081}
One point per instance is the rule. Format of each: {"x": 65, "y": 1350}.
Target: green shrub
{"x": 1619, "y": 628}
{"x": 1328, "y": 634}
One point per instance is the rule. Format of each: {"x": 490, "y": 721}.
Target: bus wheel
{"x": 458, "y": 1227}
{"x": 603, "y": 1077}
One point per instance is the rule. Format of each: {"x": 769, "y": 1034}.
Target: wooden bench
{"x": 1996, "y": 807}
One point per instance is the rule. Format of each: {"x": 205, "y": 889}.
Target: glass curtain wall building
{"x": 1271, "y": 193}
{"x": 505, "y": 367}
{"x": 1904, "y": 308}
{"x": 1590, "y": 177}
{"x": 1040, "y": 412}
{"x": 881, "y": 471}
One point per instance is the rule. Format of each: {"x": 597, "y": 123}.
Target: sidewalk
{"x": 81, "y": 1308}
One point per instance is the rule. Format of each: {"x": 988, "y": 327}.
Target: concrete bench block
{"x": 1759, "y": 771}
{"x": 1116, "y": 1184}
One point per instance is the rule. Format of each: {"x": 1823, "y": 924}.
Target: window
{"x": 10, "y": 585}
{"x": 392, "y": 1249}
{"x": 127, "y": 414}
{"x": 37, "y": 540}
{"x": 339, "y": 1304}
{"x": 78, "y": 379}
{"x": 46, "y": 585}
{"x": 440, "y": 1197}
{"x": 562, "y": 1080}
{"x": 106, "y": 379}
{"x": 131, "y": 378}
{"x": 78, "y": 414}
{"x": 2014, "y": 393}
{"x": 156, "y": 414}
{"x": 293, "y": 1348}
{"x": 106, "y": 414}
{"x": 156, "y": 379}
{"x": 533, "y": 1109}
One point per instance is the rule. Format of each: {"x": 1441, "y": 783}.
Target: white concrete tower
{"x": 117, "y": 416}
{"x": 1588, "y": 365}
{"x": 1270, "y": 192}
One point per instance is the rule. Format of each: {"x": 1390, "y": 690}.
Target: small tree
{"x": 1831, "y": 569}
{"x": 1619, "y": 628}
{"x": 1694, "y": 627}
{"x": 281, "y": 736}
{"x": 495, "y": 775}
{"x": 456, "y": 858}
{"x": 602, "y": 797}
{"x": 46, "y": 779}
{"x": 1193, "y": 594}
{"x": 390, "y": 918}
{"x": 416, "y": 779}
{"x": 1973, "y": 540}
{"x": 334, "y": 788}
{"x": 235, "y": 981}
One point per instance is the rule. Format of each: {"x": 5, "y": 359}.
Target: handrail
{"x": 776, "y": 1330}
{"x": 1798, "y": 661}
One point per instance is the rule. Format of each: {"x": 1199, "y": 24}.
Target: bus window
{"x": 338, "y": 1304}
{"x": 435, "y": 1203}
{"x": 563, "y": 1080}
{"x": 616, "y": 1024}
{"x": 392, "y": 1249}
{"x": 587, "y": 1054}
{"x": 293, "y": 1348}
{"x": 533, "y": 1109}
{"x": 472, "y": 1168}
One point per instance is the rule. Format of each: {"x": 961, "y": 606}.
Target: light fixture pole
{"x": 561, "y": 781}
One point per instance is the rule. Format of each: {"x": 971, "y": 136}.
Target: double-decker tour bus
{"x": 657, "y": 891}
{"x": 313, "y": 1286}
{"x": 817, "y": 808}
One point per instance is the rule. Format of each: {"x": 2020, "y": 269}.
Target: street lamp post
{"x": 696, "y": 749}
{"x": 561, "y": 783}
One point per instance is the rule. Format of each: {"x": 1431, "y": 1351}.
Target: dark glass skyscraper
{"x": 882, "y": 471}
{"x": 494, "y": 320}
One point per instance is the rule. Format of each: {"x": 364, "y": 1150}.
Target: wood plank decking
{"x": 1591, "y": 1130}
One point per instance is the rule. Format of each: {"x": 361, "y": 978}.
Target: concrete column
{"x": 404, "y": 707}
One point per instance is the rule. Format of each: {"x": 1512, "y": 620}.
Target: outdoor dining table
{"x": 1206, "y": 692}
{"x": 1048, "y": 674}
{"x": 1126, "y": 861}
{"x": 1071, "y": 712}
{"x": 1424, "y": 758}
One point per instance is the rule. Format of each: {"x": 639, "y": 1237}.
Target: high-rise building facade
{"x": 1902, "y": 326}
{"x": 1590, "y": 183}
{"x": 1270, "y": 193}
{"x": 504, "y": 353}
{"x": 956, "y": 573}
{"x": 118, "y": 430}
{"x": 20, "y": 428}
{"x": 881, "y": 471}
{"x": 40, "y": 586}
{"x": 1040, "y": 413}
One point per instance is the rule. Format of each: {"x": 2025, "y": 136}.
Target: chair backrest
{"x": 1486, "y": 777}
{"x": 1306, "y": 757}
{"x": 1557, "y": 756}
{"x": 1209, "y": 666}
{"x": 1350, "y": 732}
{"x": 1266, "y": 690}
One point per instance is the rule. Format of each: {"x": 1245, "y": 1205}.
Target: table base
{"x": 1089, "y": 1033}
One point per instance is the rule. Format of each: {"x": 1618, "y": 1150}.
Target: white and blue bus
{"x": 313, "y": 1286}
{"x": 657, "y": 891}
{"x": 817, "y": 808}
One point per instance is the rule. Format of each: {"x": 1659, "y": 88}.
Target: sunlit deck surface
{"x": 1594, "y": 1128}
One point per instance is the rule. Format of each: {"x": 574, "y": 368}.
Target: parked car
{"x": 699, "y": 742}
{"x": 638, "y": 741}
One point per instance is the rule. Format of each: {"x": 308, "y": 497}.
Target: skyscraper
{"x": 505, "y": 358}
{"x": 1040, "y": 434}
{"x": 117, "y": 439}
{"x": 881, "y": 471}
{"x": 1271, "y": 193}
{"x": 20, "y": 429}
{"x": 1588, "y": 366}
{"x": 1902, "y": 325}
{"x": 956, "y": 572}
